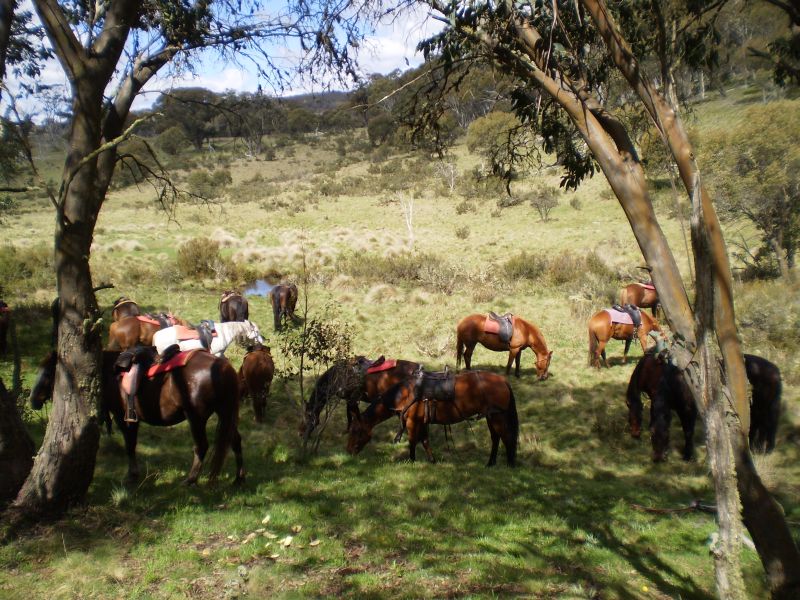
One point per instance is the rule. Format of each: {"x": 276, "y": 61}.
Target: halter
{"x": 122, "y": 301}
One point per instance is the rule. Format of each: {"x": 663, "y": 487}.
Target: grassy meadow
{"x": 564, "y": 523}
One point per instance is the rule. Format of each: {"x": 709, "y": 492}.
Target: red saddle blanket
{"x": 619, "y": 317}
{"x": 176, "y": 362}
{"x": 384, "y": 366}
{"x": 648, "y": 286}
{"x": 185, "y": 333}
{"x": 145, "y": 319}
{"x": 492, "y": 326}
{"x": 4, "y": 309}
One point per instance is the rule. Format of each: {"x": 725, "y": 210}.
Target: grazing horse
{"x": 643, "y": 295}
{"x": 226, "y": 334}
{"x": 136, "y": 331}
{"x": 355, "y": 380}
{"x": 284, "y": 300}
{"x": 470, "y": 331}
{"x": 124, "y": 307}
{"x": 255, "y": 377}
{"x": 206, "y": 385}
{"x": 667, "y": 390}
{"x": 602, "y": 329}
{"x": 233, "y": 307}
{"x": 5, "y": 319}
{"x": 477, "y": 393}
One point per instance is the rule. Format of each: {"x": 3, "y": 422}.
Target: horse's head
{"x": 45, "y": 381}
{"x": 360, "y": 435}
{"x": 543, "y": 365}
{"x": 252, "y": 333}
{"x": 659, "y": 427}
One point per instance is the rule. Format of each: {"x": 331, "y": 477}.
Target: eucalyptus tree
{"x": 578, "y": 82}
{"x": 109, "y": 51}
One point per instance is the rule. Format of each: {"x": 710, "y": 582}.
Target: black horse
{"x": 284, "y": 301}
{"x": 233, "y": 307}
{"x": 668, "y": 391}
{"x": 5, "y": 319}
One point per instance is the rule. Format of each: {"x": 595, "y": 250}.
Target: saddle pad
{"x": 144, "y": 319}
{"x": 176, "y": 362}
{"x": 126, "y": 378}
{"x": 492, "y": 326}
{"x": 648, "y": 286}
{"x": 619, "y": 317}
{"x": 390, "y": 363}
{"x": 185, "y": 333}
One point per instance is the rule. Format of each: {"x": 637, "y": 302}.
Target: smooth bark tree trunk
{"x": 16, "y": 447}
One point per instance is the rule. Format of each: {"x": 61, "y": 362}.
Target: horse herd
{"x": 155, "y": 370}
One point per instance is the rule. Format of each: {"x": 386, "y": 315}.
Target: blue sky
{"x": 393, "y": 46}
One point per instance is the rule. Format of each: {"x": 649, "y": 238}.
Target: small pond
{"x": 260, "y": 287}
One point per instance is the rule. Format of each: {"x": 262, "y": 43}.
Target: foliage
{"x": 209, "y": 184}
{"x": 198, "y": 258}
{"x": 25, "y": 269}
{"x": 172, "y": 140}
{"x": 559, "y": 269}
{"x": 756, "y": 173}
{"x": 544, "y": 199}
{"x": 501, "y": 140}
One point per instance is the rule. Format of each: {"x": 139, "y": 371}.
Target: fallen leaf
{"x": 265, "y": 520}
{"x": 206, "y": 552}
{"x": 314, "y": 543}
{"x": 260, "y": 530}
{"x": 270, "y": 535}
{"x": 274, "y": 556}
{"x": 249, "y": 538}
{"x": 297, "y": 528}
{"x": 287, "y": 541}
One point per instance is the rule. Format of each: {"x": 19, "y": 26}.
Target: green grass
{"x": 562, "y": 524}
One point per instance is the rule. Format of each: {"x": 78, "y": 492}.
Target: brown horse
{"x": 470, "y": 331}
{"x": 124, "y": 307}
{"x": 639, "y": 295}
{"x": 284, "y": 301}
{"x": 5, "y": 320}
{"x": 233, "y": 307}
{"x": 255, "y": 377}
{"x": 602, "y": 329}
{"x": 132, "y": 331}
{"x": 204, "y": 386}
{"x": 358, "y": 379}
{"x": 478, "y": 393}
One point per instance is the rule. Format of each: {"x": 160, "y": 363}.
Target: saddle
{"x": 502, "y": 326}
{"x": 204, "y": 332}
{"x": 163, "y": 320}
{"x": 633, "y": 311}
{"x": 131, "y": 364}
{"x": 429, "y": 388}
{"x": 382, "y": 364}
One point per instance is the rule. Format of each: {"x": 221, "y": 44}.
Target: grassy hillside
{"x": 566, "y": 523}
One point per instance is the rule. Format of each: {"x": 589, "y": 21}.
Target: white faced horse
{"x": 226, "y": 333}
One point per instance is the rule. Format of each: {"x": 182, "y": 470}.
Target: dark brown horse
{"x": 206, "y": 385}
{"x": 255, "y": 377}
{"x": 124, "y": 307}
{"x": 284, "y": 301}
{"x": 477, "y": 393}
{"x": 602, "y": 329}
{"x": 470, "y": 331}
{"x": 667, "y": 390}
{"x": 640, "y": 295}
{"x": 5, "y": 320}
{"x": 233, "y": 307}
{"x": 133, "y": 331}
{"x": 356, "y": 380}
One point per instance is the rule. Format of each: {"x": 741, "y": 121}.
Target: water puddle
{"x": 260, "y": 287}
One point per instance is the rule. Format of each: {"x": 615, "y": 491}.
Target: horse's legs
{"x": 236, "y": 446}
{"x": 426, "y": 444}
{"x": 517, "y": 360}
{"x": 627, "y": 347}
{"x": 413, "y": 439}
{"x": 259, "y": 404}
{"x": 130, "y": 432}
{"x": 688, "y": 418}
{"x": 600, "y": 351}
{"x": 513, "y": 356}
{"x": 470, "y": 348}
{"x": 198, "y": 428}
{"x": 494, "y": 431}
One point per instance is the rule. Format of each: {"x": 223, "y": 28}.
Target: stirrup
{"x": 131, "y": 416}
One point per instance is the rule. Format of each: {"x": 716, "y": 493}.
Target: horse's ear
{"x": 551, "y": 354}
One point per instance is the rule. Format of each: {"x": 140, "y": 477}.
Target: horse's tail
{"x": 512, "y": 428}
{"x": 593, "y": 341}
{"x": 276, "y": 311}
{"x": 774, "y": 414}
{"x": 226, "y": 391}
{"x": 633, "y": 398}
{"x": 459, "y": 349}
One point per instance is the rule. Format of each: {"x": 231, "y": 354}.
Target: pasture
{"x": 567, "y": 522}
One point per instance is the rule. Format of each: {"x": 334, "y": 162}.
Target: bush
{"x": 199, "y": 258}
{"x": 172, "y": 140}
{"x": 25, "y": 268}
{"x": 462, "y": 233}
{"x": 575, "y": 202}
{"x": 559, "y": 269}
{"x": 465, "y": 207}
{"x": 209, "y": 185}
{"x": 544, "y": 200}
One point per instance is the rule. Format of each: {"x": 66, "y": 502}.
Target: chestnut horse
{"x": 5, "y": 319}
{"x": 255, "y": 377}
{"x": 351, "y": 381}
{"x": 478, "y": 393}
{"x": 131, "y": 331}
{"x": 233, "y": 307}
{"x": 602, "y": 329}
{"x": 667, "y": 390}
{"x": 284, "y": 301}
{"x": 469, "y": 332}
{"x": 639, "y": 295}
{"x": 124, "y": 307}
{"x": 205, "y": 386}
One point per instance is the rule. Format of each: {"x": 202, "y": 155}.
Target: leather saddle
{"x": 438, "y": 385}
{"x": 633, "y": 311}
{"x": 505, "y": 326}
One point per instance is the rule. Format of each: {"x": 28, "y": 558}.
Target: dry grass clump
{"x": 224, "y": 238}
{"x": 383, "y": 292}
{"x": 420, "y": 297}
{"x": 119, "y": 246}
{"x": 342, "y": 282}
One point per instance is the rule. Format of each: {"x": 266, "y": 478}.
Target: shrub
{"x": 544, "y": 200}
{"x": 462, "y": 233}
{"x": 199, "y": 258}
{"x": 575, "y": 202}
{"x": 209, "y": 185}
{"x": 172, "y": 140}
{"x": 464, "y": 207}
{"x": 525, "y": 266}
